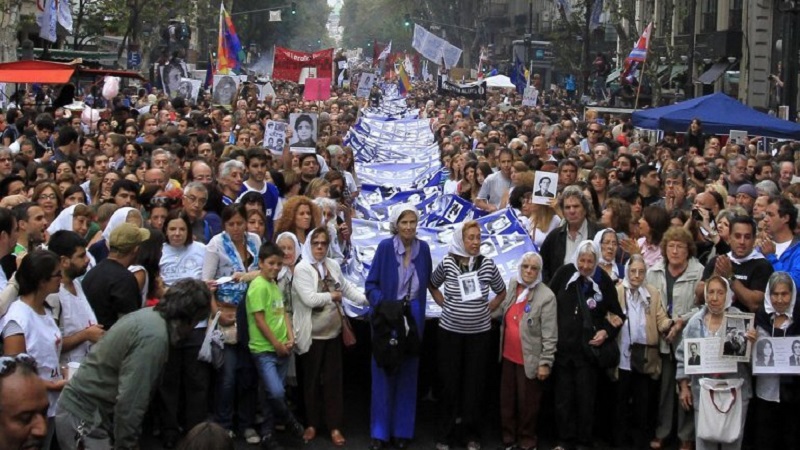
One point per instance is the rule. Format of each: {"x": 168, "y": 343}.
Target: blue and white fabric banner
{"x": 397, "y": 162}
{"x": 435, "y": 48}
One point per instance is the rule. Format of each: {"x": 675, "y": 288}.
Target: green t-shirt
{"x": 264, "y": 295}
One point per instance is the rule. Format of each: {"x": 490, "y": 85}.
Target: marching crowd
{"x": 163, "y": 264}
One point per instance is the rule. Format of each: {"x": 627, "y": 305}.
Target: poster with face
{"x": 776, "y": 355}
{"x": 225, "y": 87}
{"x": 735, "y": 345}
{"x": 189, "y": 89}
{"x": 365, "y": 83}
{"x": 275, "y": 136}
{"x": 304, "y": 132}
{"x": 544, "y": 187}
{"x": 171, "y": 75}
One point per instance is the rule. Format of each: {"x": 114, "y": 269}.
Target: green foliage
{"x": 300, "y": 31}
{"x": 382, "y": 20}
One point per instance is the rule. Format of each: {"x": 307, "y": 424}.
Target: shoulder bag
{"x": 720, "y": 410}
{"x": 213, "y": 347}
{"x": 606, "y": 355}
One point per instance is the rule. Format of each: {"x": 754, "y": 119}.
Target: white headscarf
{"x": 728, "y": 290}
{"x": 297, "y": 251}
{"x": 643, "y": 293}
{"x": 63, "y": 221}
{"x": 598, "y": 241}
{"x": 119, "y": 217}
{"x": 528, "y": 287}
{"x": 394, "y": 217}
{"x": 308, "y": 254}
{"x": 768, "y": 300}
{"x": 584, "y": 247}
{"x": 457, "y": 245}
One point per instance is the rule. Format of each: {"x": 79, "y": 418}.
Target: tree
{"x": 9, "y": 23}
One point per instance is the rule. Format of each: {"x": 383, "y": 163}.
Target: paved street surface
{"x": 357, "y": 387}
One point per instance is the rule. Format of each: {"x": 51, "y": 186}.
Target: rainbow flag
{"x": 209, "y": 80}
{"x": 403, "y": 83}
{"x": 230, "y": 53}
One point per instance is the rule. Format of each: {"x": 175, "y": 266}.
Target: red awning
{"x": 45, "y": 72}
{"x": 110, "y": 72}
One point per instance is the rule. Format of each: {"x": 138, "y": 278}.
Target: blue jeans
{"x": 235, "y": 387}
{"x": 272, "y": 370}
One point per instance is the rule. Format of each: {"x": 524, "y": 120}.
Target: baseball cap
{"x": 747, "y": 189}
{"x": 127, "y": 236}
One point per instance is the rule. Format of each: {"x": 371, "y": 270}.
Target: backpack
{"x": 394, "y": 334}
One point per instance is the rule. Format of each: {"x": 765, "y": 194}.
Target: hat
{"x": 127, "y": 236}
{"x": 747, "y": 189}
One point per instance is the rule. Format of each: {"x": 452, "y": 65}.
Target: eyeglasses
{"x": 47, "y": 197}
{"x": 594, "y": 130}
{"x": 9, "y": 363}
{"x": 530, "y": 266}
{"x": 319, "y": 243}
{"x": 3, "y": 160}
{"x": 193, "y": 199}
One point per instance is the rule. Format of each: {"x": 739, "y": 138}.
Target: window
{"x": 683, "y": 18}
{"x": 708, "y": 14}
{"x": 735, "y": 16}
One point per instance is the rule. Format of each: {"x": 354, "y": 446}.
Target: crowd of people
{"x": 166, "y": 265}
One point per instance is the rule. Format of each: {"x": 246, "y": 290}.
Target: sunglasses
{"x": 9, "y": 363}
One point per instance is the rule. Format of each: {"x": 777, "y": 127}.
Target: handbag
{"x": 213, "y": 347}
{"x": 348, "y": 335}
{"x": 606, "y": 355}
{"x": 720, "y": 410}
{"x": 394, "y": 333}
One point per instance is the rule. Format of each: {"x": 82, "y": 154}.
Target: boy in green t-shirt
{"x": 271, "y": 342}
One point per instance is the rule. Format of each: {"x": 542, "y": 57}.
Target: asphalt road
{"x": 357, "y": 395}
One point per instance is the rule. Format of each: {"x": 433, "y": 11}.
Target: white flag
{"x": 48, "y": 21}
{"x": 385, "y": 53}
{"x": 409, "y": 66}
{"x": 275, "y": 16}
{"x": 65, "y": 15}
{"x": 426, "y": 76}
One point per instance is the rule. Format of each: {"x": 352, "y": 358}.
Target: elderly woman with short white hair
{"x": 528, "y": 334}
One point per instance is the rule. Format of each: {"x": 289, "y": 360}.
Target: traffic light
{"x": 294, "y": 8}
{"x": 407, "y": 20}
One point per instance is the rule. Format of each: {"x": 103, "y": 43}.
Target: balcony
{"x": 719, "y": 44}
{"x": 494, "y": 9}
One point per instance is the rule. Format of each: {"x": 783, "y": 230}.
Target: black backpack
{"x": 394, "y": 334}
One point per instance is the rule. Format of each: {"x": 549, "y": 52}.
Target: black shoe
{"x": 401, "y": 443}
{"x": 377, "y": 444}
{"x": 269, "y": 442}
{"x": 295, "y": 428}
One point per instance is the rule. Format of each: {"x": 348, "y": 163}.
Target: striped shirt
{"x": 467, "y": 317}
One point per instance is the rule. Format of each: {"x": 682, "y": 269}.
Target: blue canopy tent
{"x": 720, "y": 114}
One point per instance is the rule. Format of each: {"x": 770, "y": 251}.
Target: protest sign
{"x": 275, "y": 136}
{"x": 736, "y": 346}
{"x": 474, "y": 91}
{"x": 225, "y": 88}
{"x": 544, "y": 187}
{"x": 304, "y": 137}
{"x": 702, "y": 356}
{"x": 738, "y": 137}
{"x": 365, "y": 84}
{"x": 189, "y": 89}
{"x": 288, "y": 64}
{"x": 317, "y": 89}
{"x": 776, "y": 355}
{"x": 530, "y": 96}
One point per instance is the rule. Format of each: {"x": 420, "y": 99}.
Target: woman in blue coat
{"x": 402, "y": 265}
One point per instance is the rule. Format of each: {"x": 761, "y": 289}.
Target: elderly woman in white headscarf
{"x": 778, "y": 408}
{"x": 400, "y": 272}
{"x": 607, "y": 242}
{"x": 317, "y": 292}
{"x": 710, "y": 322}
{"x": 528, "y": 337}
{"x": 584, "y": 297}
{"x": 640, "y": 363}
{"x": 464, "y": 339}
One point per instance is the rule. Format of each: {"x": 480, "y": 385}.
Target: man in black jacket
{"x": 562, "y": 242}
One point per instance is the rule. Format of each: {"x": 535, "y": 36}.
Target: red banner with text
{"x": 289, "y": 63}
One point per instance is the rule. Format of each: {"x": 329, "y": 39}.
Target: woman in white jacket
{"x": 318, "y": 288}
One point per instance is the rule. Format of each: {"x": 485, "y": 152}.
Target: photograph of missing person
{"x": 735, "y": 345}
{"x": 765, "y": 354}
{"x": 469, "y": 286}
{"x": 171, "y": 75}
{"x": 304, "y": 135}
{"x": 694, "y": 354}
{"x": 545, "y": 185}
{"x": 225, "y": 87}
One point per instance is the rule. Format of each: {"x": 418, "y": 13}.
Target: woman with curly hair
{"x": 299, "y": 217}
